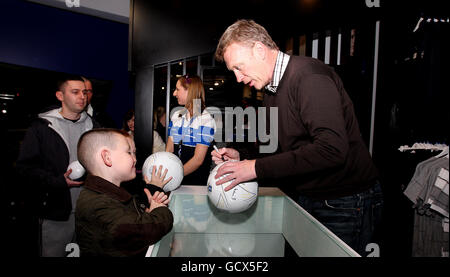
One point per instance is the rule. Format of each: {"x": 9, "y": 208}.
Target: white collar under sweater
{"x": 280, "y": 66}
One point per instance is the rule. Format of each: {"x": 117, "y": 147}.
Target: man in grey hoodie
{"x": 49, "y": 146}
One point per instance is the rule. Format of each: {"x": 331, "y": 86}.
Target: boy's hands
{"x": 159, "y": 199}
{"x": 157, "y": 179}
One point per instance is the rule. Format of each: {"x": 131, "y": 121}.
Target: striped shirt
{"x": 192, "y": 131}
{"x": 186, "y": 134}
{"x": 280, "y": 67}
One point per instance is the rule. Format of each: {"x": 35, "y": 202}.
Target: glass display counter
{"x": 275, "y": 226}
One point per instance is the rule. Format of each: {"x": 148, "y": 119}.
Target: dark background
{"x": 37, "y": 44}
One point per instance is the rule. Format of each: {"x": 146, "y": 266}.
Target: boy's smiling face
{"x": 123, "y": 158}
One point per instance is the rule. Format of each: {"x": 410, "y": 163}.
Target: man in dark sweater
{"x": 321, "y": 159}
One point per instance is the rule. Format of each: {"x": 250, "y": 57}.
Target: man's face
{"x": 73, "y": 98}
{"x": 248, "y": 67}
{"x": 88, "y": 85}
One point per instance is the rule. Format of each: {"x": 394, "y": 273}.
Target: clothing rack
{"x": 423, "y": 146}
{"x": 428, "y": 190}
{"x": 430, "y": 19}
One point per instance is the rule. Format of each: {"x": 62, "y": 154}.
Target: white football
{"x": 236, "y": 200}
{"x": 170, "y": 162}
{"x": 77, "y": 170}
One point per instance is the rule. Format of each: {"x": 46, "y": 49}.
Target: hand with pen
{"x": 238, "y": 171}
{"x": 224, "y": 154}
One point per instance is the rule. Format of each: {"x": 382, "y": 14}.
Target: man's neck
{"x": 69, "y": 115}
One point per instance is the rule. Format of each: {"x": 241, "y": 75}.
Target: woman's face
{"x": 130, "y": 124}
{"x": 180, "y": 93}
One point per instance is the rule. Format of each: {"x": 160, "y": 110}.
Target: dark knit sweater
{"x": 321, "y": 153}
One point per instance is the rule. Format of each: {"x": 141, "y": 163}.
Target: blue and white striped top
{"x": 192, "y": 131}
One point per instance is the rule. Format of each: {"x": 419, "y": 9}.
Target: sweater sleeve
{"x": 158, "y": 143}
{"x": 319, "y": 106}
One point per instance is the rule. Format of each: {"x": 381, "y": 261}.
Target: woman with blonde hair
{"x": 191, "y": 130}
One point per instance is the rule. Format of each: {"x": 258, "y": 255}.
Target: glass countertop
{"x": 275, "y": 226}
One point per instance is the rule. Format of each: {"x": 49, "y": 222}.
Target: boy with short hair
{"x": 109, "y": 221}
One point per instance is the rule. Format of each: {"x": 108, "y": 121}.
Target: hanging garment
{"x": 428, "y": 190}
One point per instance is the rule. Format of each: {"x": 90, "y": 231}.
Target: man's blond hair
{"x": 245, "y": 32}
